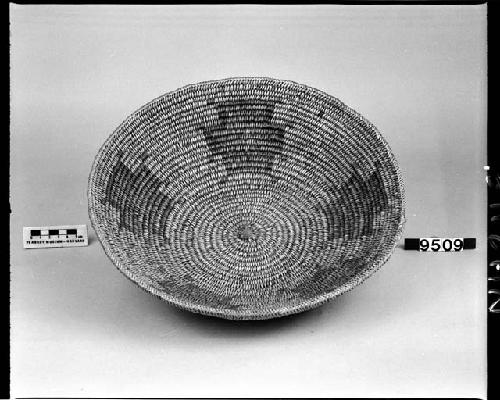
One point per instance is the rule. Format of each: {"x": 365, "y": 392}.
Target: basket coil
{"x": 246, "y": 198}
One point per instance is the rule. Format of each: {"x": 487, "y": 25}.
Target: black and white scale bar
{"x": 55, "y": 236}
{"x": 440, "y": 244}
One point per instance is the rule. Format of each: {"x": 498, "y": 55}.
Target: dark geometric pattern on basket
{"x": 245, "y": 138}
{"x": 371, "y": 191}
{"x": 125, "y": 192}
{"x": 246, "y": 198}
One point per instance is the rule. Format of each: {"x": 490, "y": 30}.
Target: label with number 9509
{"x": 441, "y": 244}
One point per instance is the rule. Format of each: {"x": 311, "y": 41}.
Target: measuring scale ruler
{"x": 55, "y": 236}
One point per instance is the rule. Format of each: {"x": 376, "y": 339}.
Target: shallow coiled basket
{"x": 246, "y": 198}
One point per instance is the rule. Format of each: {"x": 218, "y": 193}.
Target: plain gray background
{"x": 416, "y": 328}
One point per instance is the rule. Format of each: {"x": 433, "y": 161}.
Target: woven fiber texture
{"x": 246, "y": 198}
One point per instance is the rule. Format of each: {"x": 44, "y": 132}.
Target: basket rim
{"x": 305, "y": 304}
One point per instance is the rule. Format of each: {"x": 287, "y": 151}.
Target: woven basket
{"x": 246, "y": 198}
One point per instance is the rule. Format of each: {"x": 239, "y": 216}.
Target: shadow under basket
{"x": 246, "y": 198}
